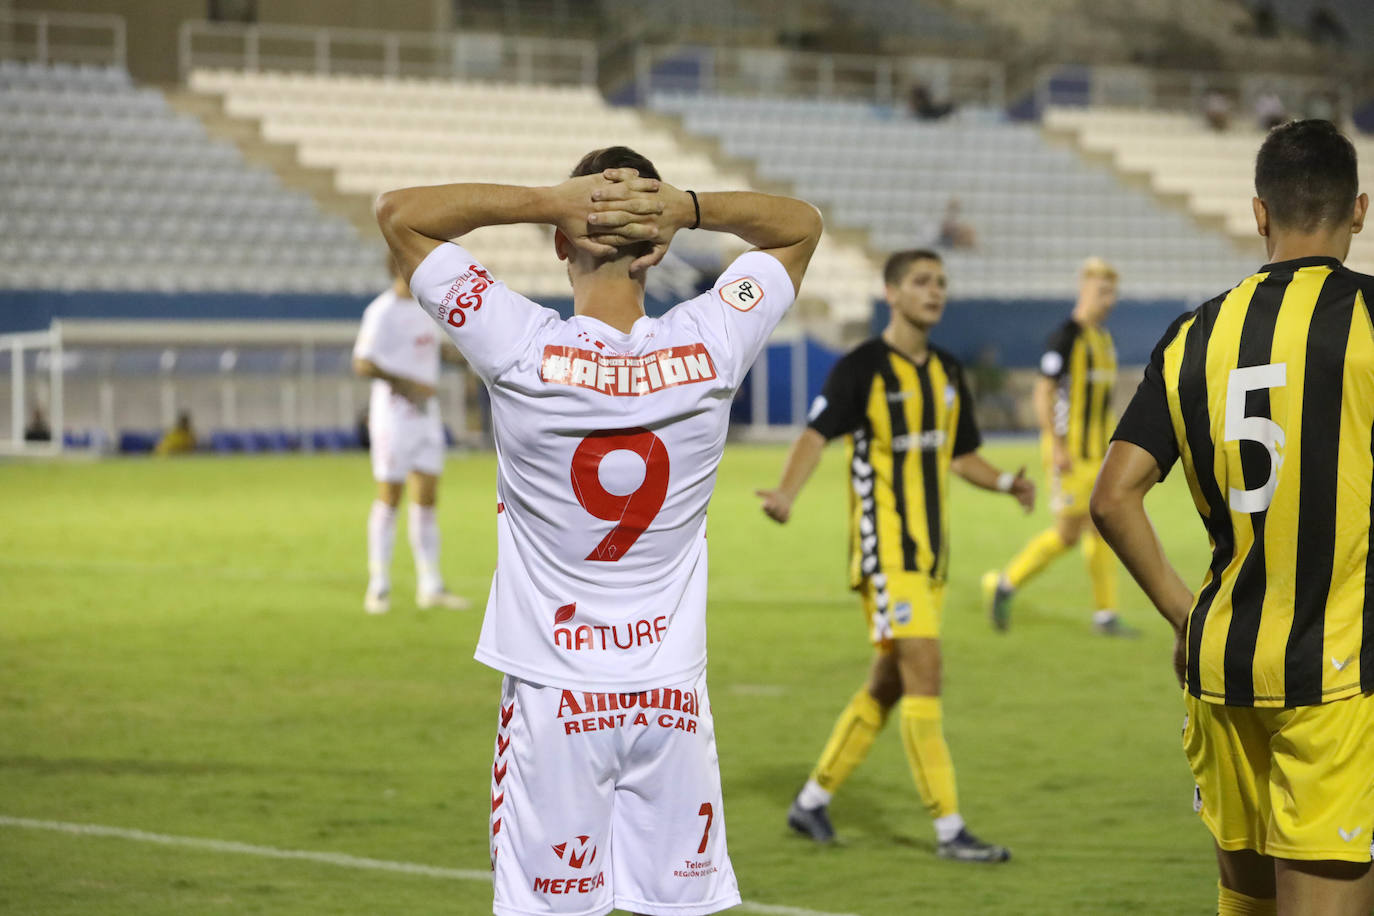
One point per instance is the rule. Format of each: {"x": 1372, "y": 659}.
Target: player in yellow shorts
{"x": 1266, "y": 396}
{"x": 1073, "y": 400}
{"x": 907, "y": 413}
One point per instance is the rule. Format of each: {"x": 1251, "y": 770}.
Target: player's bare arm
{"x": 802, "y": 460}
{"x": 417, "y": 393}
{"x": 415, "y": 221}
{"x": 985, "y": 475}
{"x": 1118, "y": 509}
{"x": 1043, "y": 397}
{"x": 786, "y": 228}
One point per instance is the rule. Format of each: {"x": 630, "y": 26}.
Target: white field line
{"x": 325, "y": 858}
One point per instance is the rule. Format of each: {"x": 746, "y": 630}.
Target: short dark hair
{"x": 1307, "y": 175}
{"x": 618, "y": 157}
{"x": 614, "y": 157}
{"x": 894, "y": 271}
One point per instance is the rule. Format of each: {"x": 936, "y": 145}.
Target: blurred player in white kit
{"x": 609, "y": 428}
{"x": 399, "y": 348}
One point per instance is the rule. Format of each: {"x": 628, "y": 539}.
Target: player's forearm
{"x": 1043, "y": 398}
{"x": 443, "y": 212}
{"x": 368, "y": 369}
{"x": 1123, "y": 523}
{"x": 801, "y": 463}
{"x": 763, "y": 220}
{"x": 978, "y": 471}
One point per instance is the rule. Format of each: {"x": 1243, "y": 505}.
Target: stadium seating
{"x": 1180, "y": 155}
{"x": 104, "y": 187}
{"x": 381, "y": 134}
{"x": 1037, "y": 210}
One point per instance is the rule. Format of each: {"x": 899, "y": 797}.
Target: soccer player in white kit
{"x": 609, "y": 427}
{"x": 399, "y": 348}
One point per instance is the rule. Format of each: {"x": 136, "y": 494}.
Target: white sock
{"x": 1004, "y": 584}
{"x": 424, "y": 544}
{"x": 948, "y": 827}
{"x": 812, "y": 795}
{"x": 381, "y": 537}
{"x": 1103, "y": 617}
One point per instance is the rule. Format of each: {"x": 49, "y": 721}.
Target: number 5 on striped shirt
{"x": 1240, "y": 428}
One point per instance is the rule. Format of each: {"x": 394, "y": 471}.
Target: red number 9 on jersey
{"x": 632, "y": 512}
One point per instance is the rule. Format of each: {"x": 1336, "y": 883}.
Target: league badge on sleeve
{"x": 742, "y": 294}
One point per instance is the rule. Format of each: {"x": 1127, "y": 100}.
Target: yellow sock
{"x": 923, "y": 737}
{"x": 850, "y": 740}
{"x": 1038, "y": 553}
{"x": 1234, "y": 903}
{"x": 1102, "y": 571}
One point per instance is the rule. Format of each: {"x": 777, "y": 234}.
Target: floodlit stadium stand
{"x": 1037, "y": 210}
{"x": 103, "y": 186}
{"x": 380, "y": 134}
{"x": 1180, "y": 155}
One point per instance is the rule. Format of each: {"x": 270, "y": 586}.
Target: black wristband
{"x": 696, "y": 205}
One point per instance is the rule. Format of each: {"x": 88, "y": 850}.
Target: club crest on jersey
{"x": 742, "y": 294}
{"x": 627, "y": 376}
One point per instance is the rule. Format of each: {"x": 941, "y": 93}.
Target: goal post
{"x": 31, "y": 366}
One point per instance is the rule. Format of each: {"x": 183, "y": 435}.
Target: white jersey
{"x": 607, "y": 445}
{"x": 398, "y": 337}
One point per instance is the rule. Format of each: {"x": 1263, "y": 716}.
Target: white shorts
{"x": 405, "y": 439}
{"x": 603, "y": 801}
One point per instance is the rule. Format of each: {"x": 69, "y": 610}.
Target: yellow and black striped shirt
{"x": 1081, "y": 361}
{"x": 1267, "y": 395}
{"x": 906, "y": 422}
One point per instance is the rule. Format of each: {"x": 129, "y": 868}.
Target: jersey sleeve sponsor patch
{"x": 742, "y": 294}
{"x": 463, "y": 295}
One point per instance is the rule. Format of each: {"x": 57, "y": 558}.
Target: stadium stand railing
{"x": 1147, "y": 88}
{"x": 43, "y": 38}
{"x": 875, "y": 79}
{"x": 392, "y": 54}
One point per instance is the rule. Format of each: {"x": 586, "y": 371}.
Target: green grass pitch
{"x": 183, "y": 652}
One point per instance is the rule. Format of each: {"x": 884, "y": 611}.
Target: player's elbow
{"x": 387, "y": 209}
{"x": 1106, "y": 504}
{"x": 813, "y": 224}
{"x": 363, "y": 368}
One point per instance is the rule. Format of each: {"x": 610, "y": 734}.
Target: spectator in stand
{"x": 955, "y": 232}
{"x": 1216, "y": 109}
{"x": 1269, "y": 110}
{"x": 925, "y": 107}
{"x": 180, "y": 439}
